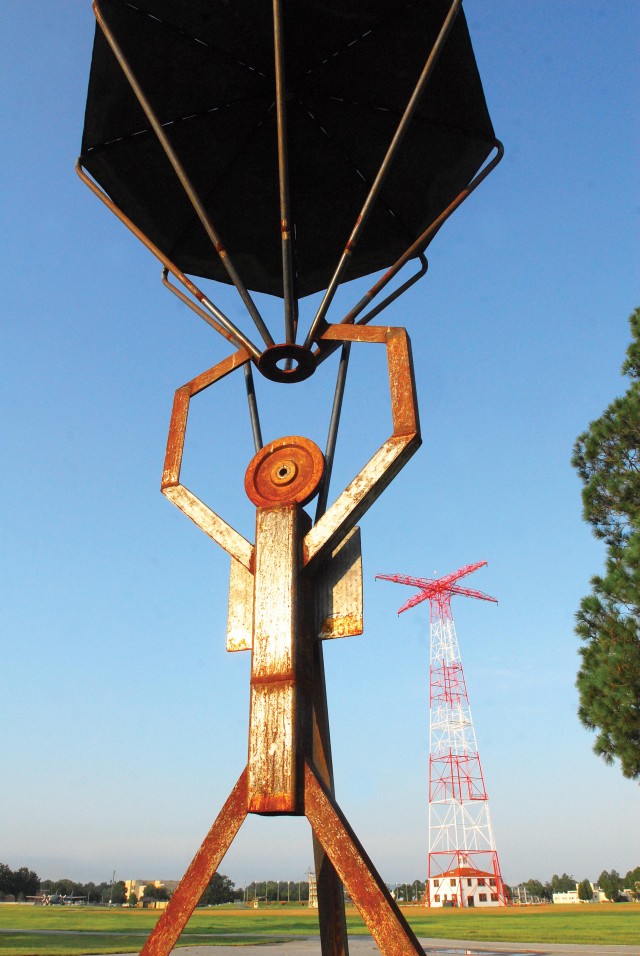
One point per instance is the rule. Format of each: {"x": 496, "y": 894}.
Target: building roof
{"x": 462, "y": 871}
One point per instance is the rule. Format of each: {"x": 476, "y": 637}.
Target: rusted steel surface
{"x": 274, "y": 721}
{"x": 384, "y": 920}
{"x": 338, "y": 591}
{"x": 200, "y": 513}
{"x": 285, "y": 471}
{"x": 294, "y": 587}
{"x": 378, "y": 473}
{"x": 204, "y": 864}
{"x": 240, "y": 609}
{"x": 335, "y": 592}
{"x": 331, "y": 912}
{"x": 279, "y": 479}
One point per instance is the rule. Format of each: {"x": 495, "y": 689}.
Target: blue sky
{"x": 123, "y": 720}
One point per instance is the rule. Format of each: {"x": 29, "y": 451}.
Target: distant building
{"x": 136, "y": 888}
{"x": 464, "y": 887}
{"x": 571, "y": 896}
{"x": 313, "y": 891}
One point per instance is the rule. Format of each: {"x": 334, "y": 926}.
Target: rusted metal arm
{"x": 394, "y": 146}
{"x": 378, "y": 473}
{"x": 206, "y": 519}
{"x": 180, "y": 172}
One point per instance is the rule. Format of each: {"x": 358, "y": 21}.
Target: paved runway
{"x": 365, "y": 946}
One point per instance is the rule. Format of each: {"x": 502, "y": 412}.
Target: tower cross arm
{"x": 438, "y": 590}
{"x": 472, "y": 593}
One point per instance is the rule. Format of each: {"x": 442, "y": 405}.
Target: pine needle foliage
{"x": 607, "y": 458}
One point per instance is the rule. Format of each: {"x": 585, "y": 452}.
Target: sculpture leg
{"x": 386, "y": 923}
{"x": 333, "y": 923}
{"x": 203, "y": 866}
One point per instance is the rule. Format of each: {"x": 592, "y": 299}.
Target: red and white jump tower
{"x": 463, "y": 868}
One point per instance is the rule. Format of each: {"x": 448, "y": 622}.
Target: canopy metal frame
{"x": 289, "y": 361}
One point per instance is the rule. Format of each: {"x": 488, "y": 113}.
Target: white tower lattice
{"x": 463, "y": 868}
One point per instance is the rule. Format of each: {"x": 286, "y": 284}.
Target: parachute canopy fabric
{"x": 207, "y": 69}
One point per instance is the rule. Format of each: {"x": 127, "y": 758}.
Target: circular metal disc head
{"x": 286, "y": 471}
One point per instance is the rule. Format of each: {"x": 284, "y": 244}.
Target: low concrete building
{"x": 571, "y": 896}
{"x": 464, "y": 887}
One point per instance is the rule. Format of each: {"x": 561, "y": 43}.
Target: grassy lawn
{"x": 49, "y": 931}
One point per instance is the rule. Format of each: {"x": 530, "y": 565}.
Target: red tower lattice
{"x": 463, "y": 866}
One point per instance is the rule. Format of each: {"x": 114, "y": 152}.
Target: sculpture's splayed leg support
{"x": 204, "y": 864}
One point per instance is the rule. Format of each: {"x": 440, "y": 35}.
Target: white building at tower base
{"x": 464, "y": 887}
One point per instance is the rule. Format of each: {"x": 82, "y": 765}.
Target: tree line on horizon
{"x": 24, "y": 883}
{"x": 610, "y": 882}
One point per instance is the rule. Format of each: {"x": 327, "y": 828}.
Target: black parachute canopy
{"x": 207, "y": 68}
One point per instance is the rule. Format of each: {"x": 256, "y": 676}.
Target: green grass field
{"x": 70, "y": 931}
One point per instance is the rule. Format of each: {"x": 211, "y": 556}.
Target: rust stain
{"x": 286, "y": 471}
{"x": 340, "y": 625}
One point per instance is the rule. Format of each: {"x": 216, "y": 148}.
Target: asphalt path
{"x": 365, "y": 946}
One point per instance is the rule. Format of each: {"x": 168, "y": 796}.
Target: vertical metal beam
{"x": 274, "y": 721}
{"x": 383, "y": 170}
{"x": 286, "y": 226}
{"x": 333, "y": 922}
{"x": 253, "y": 407}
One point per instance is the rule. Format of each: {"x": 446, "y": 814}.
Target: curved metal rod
{"x": 349, "y": 318}
{"x": 416, "y": 249}
{"x": 325, "y": 349}
{"x": 421, "y": 243}
{"x": 180, "y": 172}
{"x": 332, "y": 436}
{"x": 232, "y": 330}
{"x": 196, "y": 308}
{"x": 383, "y": 170}
{"x": 248, "y": 373}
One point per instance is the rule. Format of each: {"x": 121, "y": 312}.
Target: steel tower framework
{"x": 461, "y": 841}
